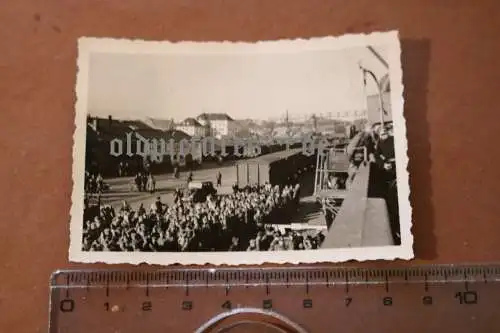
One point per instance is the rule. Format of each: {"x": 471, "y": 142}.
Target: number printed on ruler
{"x": 330, "y": 295}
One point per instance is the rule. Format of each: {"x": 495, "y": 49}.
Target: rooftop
{"x": 273, "y": 157}
{"x": 135, "y": 124}
{"x": 190, "y": 122}
{"x": 109, "y": 130}
{"x": 214, "y": 116}
{"x": 163, "y": 124}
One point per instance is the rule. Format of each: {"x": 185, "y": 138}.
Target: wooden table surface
{"x": 451, "y": 74}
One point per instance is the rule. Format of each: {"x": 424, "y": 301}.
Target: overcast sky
{"x": 257, "y": 86}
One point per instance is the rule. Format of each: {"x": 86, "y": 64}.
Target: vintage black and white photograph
{"x": 240, "y": 153}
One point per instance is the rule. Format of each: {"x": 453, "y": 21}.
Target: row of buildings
{"x": 222, "y": 125}
{"x": 103, "y": 134}
{"x": 209, "y": 124}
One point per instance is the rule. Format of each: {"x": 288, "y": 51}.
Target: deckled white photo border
{"x": 88, "y": 45}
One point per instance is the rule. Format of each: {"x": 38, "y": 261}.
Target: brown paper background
{"x": 451, "y": 67}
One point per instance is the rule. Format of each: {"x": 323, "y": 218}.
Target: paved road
{"x": 120, "y": 188}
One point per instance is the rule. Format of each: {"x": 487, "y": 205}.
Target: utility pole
{"x": 315, "y": 122}
{"x": 287, "y": 123}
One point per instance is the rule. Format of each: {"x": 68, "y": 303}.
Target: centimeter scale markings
{"x": 411, "y": 299}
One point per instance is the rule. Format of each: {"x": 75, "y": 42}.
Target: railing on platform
{"x": 298, "y": 227}
{"x": 354, "y": 143}
{"x": 357, "y": 219}
{"x": 334, "y": 175}
{"x": 361, "y": 221}
{"x": 334, "y": 159}
{"x": 332, "y": 163}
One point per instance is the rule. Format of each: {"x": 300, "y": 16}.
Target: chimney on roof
{"x": 95, "y": 123}
{"x": 110, "y": 120}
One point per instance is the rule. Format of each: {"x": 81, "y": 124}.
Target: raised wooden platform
{"x": 340, "y": 194}
{"x": 362, "y": 221}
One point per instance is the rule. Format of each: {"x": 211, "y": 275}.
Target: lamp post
{"x": 379, "y": 88}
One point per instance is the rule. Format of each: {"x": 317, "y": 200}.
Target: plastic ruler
{"x": 306, "y": 299}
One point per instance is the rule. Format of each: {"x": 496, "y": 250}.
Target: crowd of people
{"x": 123, "y": 169}
{"x": 239, "y": 221}
{"x": 94, "y": 183}
{"x": 379, "y": 143}
{"x": 143, "y": 182}
{"x": 376, "y": 149}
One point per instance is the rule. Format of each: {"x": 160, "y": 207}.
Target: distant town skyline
{"x": 299, "y": 118}
{"x": 244, "y": 86}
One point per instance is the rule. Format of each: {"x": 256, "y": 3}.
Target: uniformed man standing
{"x": 219, "y": 179}
{"x": 328, "y": 214}
{"x": 385, "y": 159}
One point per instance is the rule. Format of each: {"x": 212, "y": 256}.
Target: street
{"x": 120, "y": 188}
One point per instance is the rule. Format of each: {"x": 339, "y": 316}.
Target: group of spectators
{"x": 143, "y": 182}
{"x": 123, "y": 169}
{"x": 236, "y": 222}
{"x": 379, "y": 143}
{"x": 94, "y": 183}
